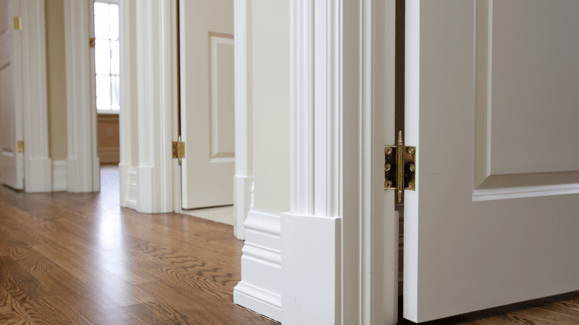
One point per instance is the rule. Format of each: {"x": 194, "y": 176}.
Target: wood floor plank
{"x": 118, "y": 290}
{"x": 19, "y": 283}
{"x": 11, "y": 313}
{"x": 87, "y": 300}
{"x": 69, "y": 258}
{"x": 52, "y": 310}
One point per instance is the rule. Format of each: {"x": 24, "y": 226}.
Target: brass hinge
{"x": 400, "y": 168}
{"x": 17, "y": 23}
{"x": 91, "y": 42}
{"x": 21, "y": 146}
{"x": 179, "y": 150}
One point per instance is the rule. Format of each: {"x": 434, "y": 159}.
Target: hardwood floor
{"x": 80, "y": 259}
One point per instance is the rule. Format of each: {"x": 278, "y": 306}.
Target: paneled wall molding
{"x": 155, "y": 88}
{"x": 243, "y": 117}
{"x": 83, "y": 162}
{"x": 59, "y": 171}
{"x": 37, "y": 164}
{"x": 260, "y": 287}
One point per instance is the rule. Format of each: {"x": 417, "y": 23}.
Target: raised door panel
{"x": 222, "y": 99}
{"x": 526, "y": 100}
{"x": 207, "y": 102}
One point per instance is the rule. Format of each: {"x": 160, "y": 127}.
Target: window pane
{"x": 115, "y": 92}
{"x": 114, "y": 18}
{"x": 101, "y": 20}
{"x": 103, "y": 92}
{"x": 102, "y": 57}
{"x": 115, "y": 57}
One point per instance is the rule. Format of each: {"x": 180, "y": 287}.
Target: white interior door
{"x": 492, "y": 106}
{"x": 11, "y": 161}
{"x": 207, "y": 102}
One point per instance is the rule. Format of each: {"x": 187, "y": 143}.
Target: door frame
{"x": 83, "y": 167}
{"x": 243, "y": 179}
{"x": 340, "y": 239}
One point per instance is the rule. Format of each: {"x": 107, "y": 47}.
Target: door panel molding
{"x": 222, "y": 100}
{"x": 547, "y": 179}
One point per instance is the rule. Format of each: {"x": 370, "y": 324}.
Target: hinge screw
{"x": 389, "y": 151}
{"x": 388, "y": 184}
{"x": 387, "y": 167}
{"x": 412, "y": 168}
{"x": 411, "y": 151}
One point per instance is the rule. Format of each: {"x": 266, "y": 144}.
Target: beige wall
{"x": 56, "y": 79}
{"x": 271, "y": 104}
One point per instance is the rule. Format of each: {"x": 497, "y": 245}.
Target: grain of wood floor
{"x": 80, "y": 259}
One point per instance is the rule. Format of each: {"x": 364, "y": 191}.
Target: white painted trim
{"x": 217, "y": 155}
{"x": 301, "y": 107}
{"x": 83, "y": 163}
{"x": 336, "y": 243}
{"x": 260, "y": 289}
{"x": 59, "y": 171}
{"x": 37, "y": 165}
{"x": 243, "y": 117}
{"x": 128, "y": 97}
{"x": 523, "y": 192}
{"x": 242, "y": 197}
{"x": 155, "y": 83}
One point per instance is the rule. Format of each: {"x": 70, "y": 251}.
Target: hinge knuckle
{"x": 179, "y": 150}
{"x": 400, "y": 167}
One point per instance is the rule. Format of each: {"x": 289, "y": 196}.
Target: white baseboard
{"x": 242, "y": 203}
{"x": 109, "y": 155}
{"x": 258, "y": 300}
{"x": 128, "y": 185}
{"x": 261, "y": 283}
{"x": 59, "y": 172}
{"x": 311, "y": 255}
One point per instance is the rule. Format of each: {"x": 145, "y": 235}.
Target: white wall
{"x": 271, "y": 104}
{"x": 260, "y": 286}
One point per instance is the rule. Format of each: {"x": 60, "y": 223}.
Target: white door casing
{"x": 37, "y": 164}
{"x": 243, "y": 180}
{"x": 83, "y": 165}
{"x": 340, "y": 239}
{"x": 11, "y": 161}
{"x": 491, "y": 97}
{"x": 207, "y": 102}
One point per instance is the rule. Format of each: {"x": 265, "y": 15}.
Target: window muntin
{"x": 106, "y": 23}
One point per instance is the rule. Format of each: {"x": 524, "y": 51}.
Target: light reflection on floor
{"x": 111, "y": 240}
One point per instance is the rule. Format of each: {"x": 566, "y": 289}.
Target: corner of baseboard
{"x": 258, "y": 300}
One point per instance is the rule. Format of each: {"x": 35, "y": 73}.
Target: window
{"x": 106, "y": 30}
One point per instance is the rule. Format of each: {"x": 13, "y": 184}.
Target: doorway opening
{"x": 107, "y": 90}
